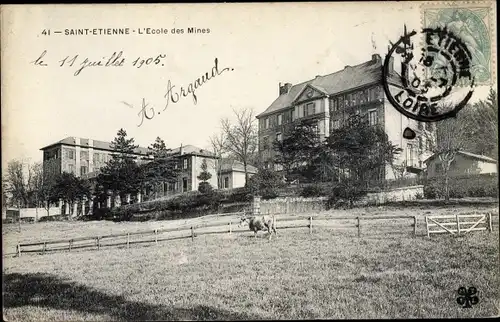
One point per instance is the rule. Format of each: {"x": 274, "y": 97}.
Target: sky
{"x": 260, "y": 44}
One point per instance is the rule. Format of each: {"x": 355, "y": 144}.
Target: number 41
{"x": 46, "y": 32}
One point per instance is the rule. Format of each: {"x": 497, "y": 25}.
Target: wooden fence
{"x": 458, "y": 223}
{"x": 157, "y": 235}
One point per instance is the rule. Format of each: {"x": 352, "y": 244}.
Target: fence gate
{"x": 457, "y": 224}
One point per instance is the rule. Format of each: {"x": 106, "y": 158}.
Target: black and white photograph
{"x": 250, "y": 161}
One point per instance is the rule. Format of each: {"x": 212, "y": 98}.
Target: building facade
{"x": 465, "y": 163}
{"x": 232, "y": 174}
{"x": 329, "y": 100}
{"x": 82, "y": 156}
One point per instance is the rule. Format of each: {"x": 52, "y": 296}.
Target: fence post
{"x": 310, "y": 224}
{"x": 44, "y": 247}
{"x": 427, "y": 227}
{"x": 19, "y": 250}
{"x": 192, "y": 233}
{"x": 359, "y": 226}
{"x": 156, "y": 236}
{"x": 489, "y": 222}
{"x": 128, "y": 240}
{"x": 70, "y": 244}
{"x": 230, "y": 226}
{"x": 458, "y": 224}
{"x": 98, "y": 243}
{"x": 414, "y": 225}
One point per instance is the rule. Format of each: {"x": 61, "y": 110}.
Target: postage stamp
{"x": 474, "y": 23}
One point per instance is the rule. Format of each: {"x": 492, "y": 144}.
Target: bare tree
{"x": 16, "y": 183}
{"x": 451, "y": 137}
{"x": 218, "y": 144}
{"x": 35, "y": 184}
{"x": 241, "y": 137}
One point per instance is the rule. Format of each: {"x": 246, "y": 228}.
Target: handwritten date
{"x": 117, "y": 59}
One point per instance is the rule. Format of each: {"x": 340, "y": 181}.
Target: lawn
{"x": 328, "y": 274}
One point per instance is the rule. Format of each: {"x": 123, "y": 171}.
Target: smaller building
{"x": 232, "y": 173}
{"x": 465, "y": 163}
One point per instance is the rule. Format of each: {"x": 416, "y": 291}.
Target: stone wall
{"x": 304, "y": 205}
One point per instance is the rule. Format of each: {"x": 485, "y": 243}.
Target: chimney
{"x": 376, "y": 58}
{"x": 91, "y": 143}
{"x": 284, "y": 89}
{"x": 317, "y": 76}
{"x": 180, "y": 150}
{"x": 347, "y": 66}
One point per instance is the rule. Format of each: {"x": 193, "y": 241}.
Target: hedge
{"x": 184, "y": 206}
{"x": 482, "y": 185}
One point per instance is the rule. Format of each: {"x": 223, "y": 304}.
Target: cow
{"x": 257, "y": 223}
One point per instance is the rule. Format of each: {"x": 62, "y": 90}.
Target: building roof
{"x": 349, "y": 78}
{"x": 193, "y": 150}
{"x": 102, "y": 145}
{"x": 466, "y": 154}
{"x": 228, "y": 165}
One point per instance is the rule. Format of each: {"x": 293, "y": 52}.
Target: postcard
{"x": 245, "y": 161}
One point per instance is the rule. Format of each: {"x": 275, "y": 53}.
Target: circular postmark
{"x": 431, "y": 86}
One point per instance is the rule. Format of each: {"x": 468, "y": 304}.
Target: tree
{"x": 218, "y": 144}
{"x": 296, "y": 152}
{"x": 241, "y": 137}
{"x": 71, "y": 189}
{"x": 265, "y": 183}
{"x": 162, "y": 169}
{"x": 362, "y": 152}
{"x": 204, "y": 176}
{"x": 451, "y": 136}
{"x": 17, "y": 184}
{"x": 482, "y": 124}
{"x": 46, "y": 190}
{"x": 121, "y": 175}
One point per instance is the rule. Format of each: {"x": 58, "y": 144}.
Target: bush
{"x": 265, "y": 183}
{"x": 347, "y": 192}
{"x": 482, "y": 185}
{"x": 205, "y": 187}
{"x": 313, "y": 191}
{"x": 183, "y": 204}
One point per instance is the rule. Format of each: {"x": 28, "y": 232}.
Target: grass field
{"x": 327, "y": 274}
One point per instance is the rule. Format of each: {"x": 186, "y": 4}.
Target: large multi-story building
{"x": 85, "y": 158}
{"x": 328, "y": 100}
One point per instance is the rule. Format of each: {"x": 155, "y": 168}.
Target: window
{"x": 341, "y": 103}
{"x": 420, "y": 144}
{"x": 265, "y": 143}
{"x": 310, "y": 109}
{"x": 372, "y": 117}
{"x": 410, "y": 155}
{"x": 83, "y": 170}
{"x": 226, "y": 183}
{"x": 70, "y": 154}
{"x": 184, "y": 184}
{"x": 185, "y": 164}
{"x": 336, "y": 124}
{"x": 279, "y": 137}
{"x": 333, "y": 105}
{"x": 419, "y": 125}
{"x": 280, "y": 119}
{"x": 71, "y": 168}
{"x": 84, "y": 155}
{"x": 266, "y": 123}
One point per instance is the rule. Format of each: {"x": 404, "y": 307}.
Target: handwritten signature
{"x": 174, "y": 95}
